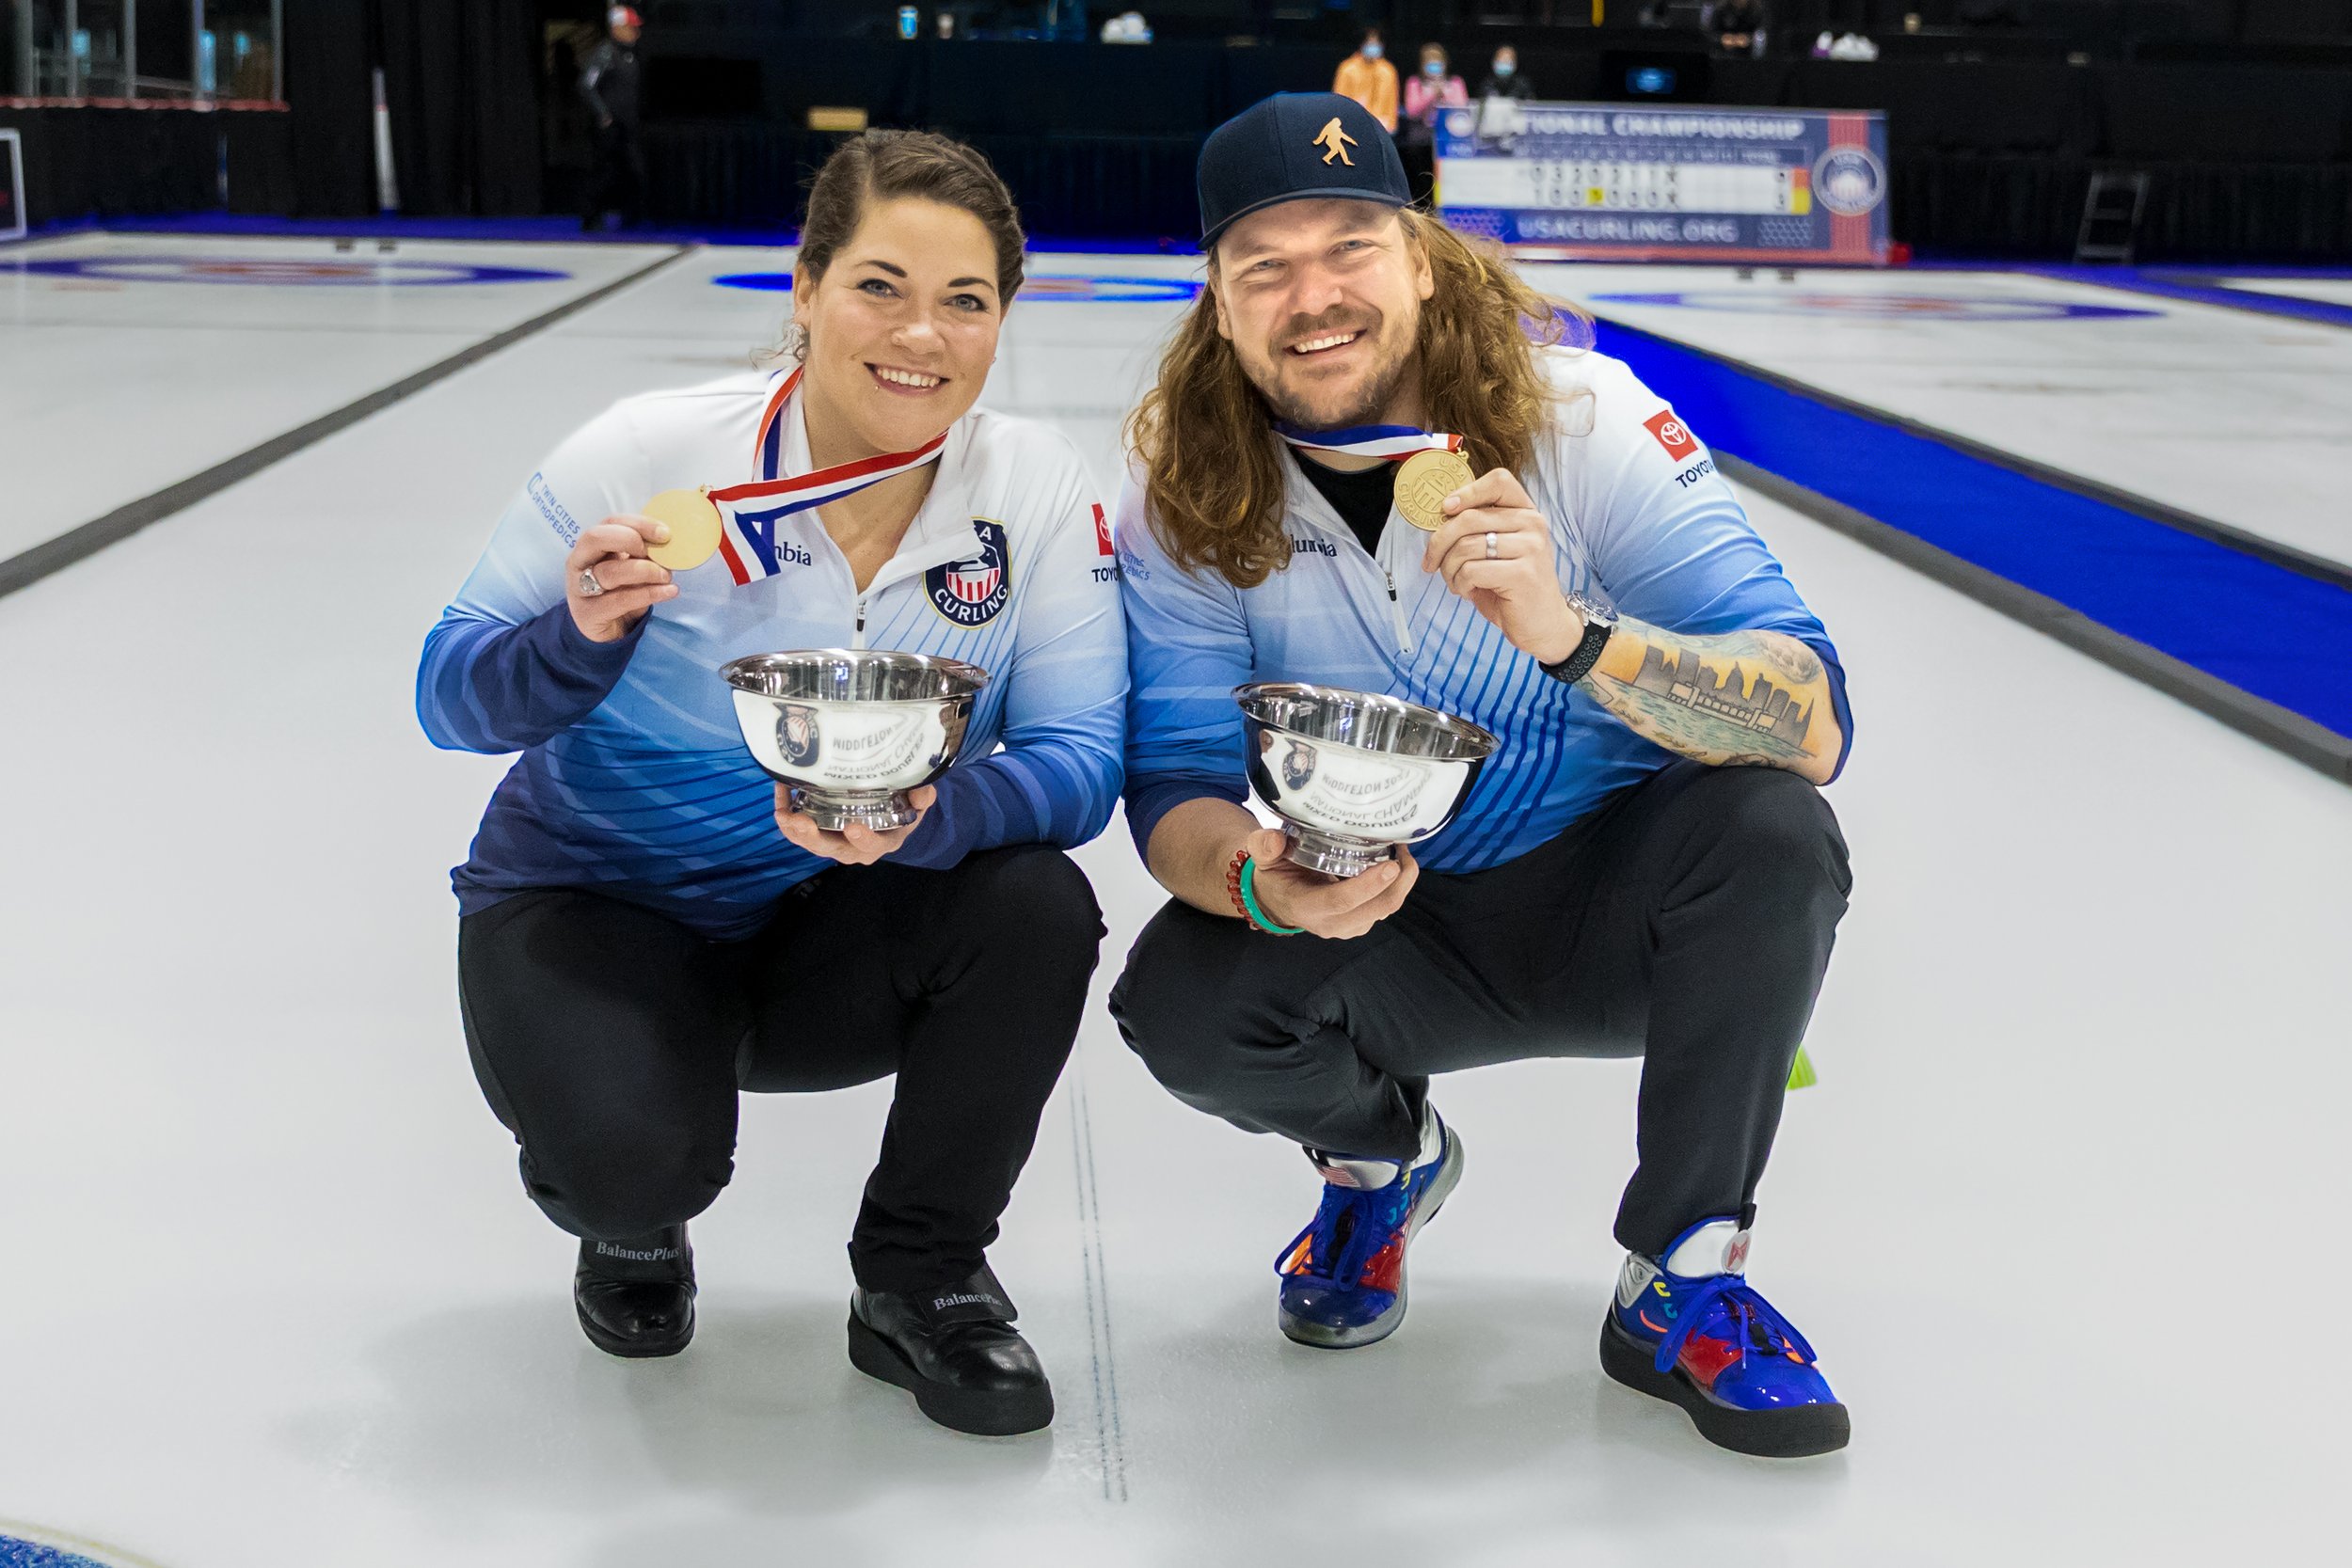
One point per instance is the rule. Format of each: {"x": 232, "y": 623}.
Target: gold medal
{"x": 1422, "y": 483}
{"x": 692, "y": 518}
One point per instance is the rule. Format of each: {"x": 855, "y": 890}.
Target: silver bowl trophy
{"x": 1352, "y": 775}
{"x": 850, "y": 732}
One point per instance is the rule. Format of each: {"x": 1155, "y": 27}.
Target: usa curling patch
{"x": 970, "y": 592}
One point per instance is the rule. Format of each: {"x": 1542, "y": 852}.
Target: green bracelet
{"x": 1249, "y": 901}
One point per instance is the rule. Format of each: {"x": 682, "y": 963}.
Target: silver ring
{"x": 589, "y": 586}
{"x": 1490, "y": 545}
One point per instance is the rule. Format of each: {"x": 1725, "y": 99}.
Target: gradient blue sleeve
{"x": 1672, "y": 547}
{"x": 507, "y": 667}
{"x": 1187, "y": 647}
{"x": 1057, "y": 776}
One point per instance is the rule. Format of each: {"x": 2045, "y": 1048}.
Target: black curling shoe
{"x": 636, "y": 1297}
{"x": 956, "y": 1351}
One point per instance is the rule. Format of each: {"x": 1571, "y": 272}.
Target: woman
{"x": 1432, "y": 88}
{"x": 646, "y": 928}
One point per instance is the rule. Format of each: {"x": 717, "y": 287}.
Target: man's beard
{"x": 1367, "y": 408}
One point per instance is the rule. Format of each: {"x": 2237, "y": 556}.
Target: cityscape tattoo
{"x": 1742, "y": 699}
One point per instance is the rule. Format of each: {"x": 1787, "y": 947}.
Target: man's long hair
{"x": 1213, "y": 474}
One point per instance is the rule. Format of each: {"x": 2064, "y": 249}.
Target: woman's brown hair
{"x": 884, "y": 165}
{"x": 1212, "y": 473}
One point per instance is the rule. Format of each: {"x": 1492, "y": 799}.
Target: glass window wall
{"x": 189, "y": 50}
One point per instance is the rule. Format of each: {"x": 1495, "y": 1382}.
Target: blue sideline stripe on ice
{"x": 2275, "y": 633}
{"x": 2202, "y": 287}
{"x": 17, "y": 1552}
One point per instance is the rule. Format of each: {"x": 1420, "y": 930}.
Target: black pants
{"x": 616, "y": 175}
{"x": 1689, "y": 922}
{"x": 611, "y": 1041}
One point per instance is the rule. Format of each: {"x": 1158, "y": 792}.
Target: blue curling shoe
{"x": 1343, "y": 1275}
{"x": 1691, "y": 1330}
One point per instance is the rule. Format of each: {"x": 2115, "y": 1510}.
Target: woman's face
{"x": 1433, "y": 61}
{"x": 902, "y": 326}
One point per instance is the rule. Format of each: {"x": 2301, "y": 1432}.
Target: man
{"x": 1367, "y": 77}
{"x": 1503, "y": 79}
{"x": 1646, "y": 865}
{"x": 607, "y": 85}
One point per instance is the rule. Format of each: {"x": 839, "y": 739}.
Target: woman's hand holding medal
{"x": 1495, "y": 550}
{"x": 853, "y": 845}
{"x": 607, "y": 579}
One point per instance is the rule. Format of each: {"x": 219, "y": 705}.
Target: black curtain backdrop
{"x": 332, "y": 93}
{"x": 1986, "y": 157}
{"x": 461, "y": 78}
{"x": 137, "y": 163}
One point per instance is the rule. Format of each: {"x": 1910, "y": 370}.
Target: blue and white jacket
{"x": 634, "y": 781}
{"x": 1640, "y": 522}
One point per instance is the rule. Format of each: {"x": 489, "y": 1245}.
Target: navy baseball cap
{"x": 1291, "y": 146}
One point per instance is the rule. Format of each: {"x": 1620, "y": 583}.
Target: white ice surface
{"x": 2231, "y": 415}
{"x": 114, "y": 389}
{"x": 275, "y": 1299}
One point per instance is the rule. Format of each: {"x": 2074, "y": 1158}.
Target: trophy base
{"x": 1335, "y": 854}
{"x": 879, "y": 811}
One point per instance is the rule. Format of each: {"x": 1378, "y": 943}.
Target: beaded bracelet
{"x": 1241, "y": 878}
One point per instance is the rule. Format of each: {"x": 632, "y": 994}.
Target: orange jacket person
{"x": 1369, "y": 80}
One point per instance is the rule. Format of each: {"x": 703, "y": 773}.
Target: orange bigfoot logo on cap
{"x": 1335, "y": 142}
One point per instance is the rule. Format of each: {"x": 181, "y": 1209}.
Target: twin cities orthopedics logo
{"x": 1765, "y": 300}
{"x": 1068, "y": 289}
{"x": 280, "y": 272}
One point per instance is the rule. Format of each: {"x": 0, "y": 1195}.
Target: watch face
{"x": 1594, "y": 611}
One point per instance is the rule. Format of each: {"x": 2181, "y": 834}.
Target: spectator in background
{"x": 1736, "y": 25}
{"x": 1434, "y": 88}
{"x": 1367, "y": 78}
{"x": 607, "y": 83}
{"x": 1503, "y": 80}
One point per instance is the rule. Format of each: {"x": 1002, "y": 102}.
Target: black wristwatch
{"x": 1600, "y": 623}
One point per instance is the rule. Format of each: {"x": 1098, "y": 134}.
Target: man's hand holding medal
{"x": 1495, "y": 549}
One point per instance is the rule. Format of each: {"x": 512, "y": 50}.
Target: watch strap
{"x": 1587, "y": 653}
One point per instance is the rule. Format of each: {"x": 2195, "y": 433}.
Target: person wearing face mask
{"x": 647, "y": 929}
{"x": 608, "y": 86}
{"x": 1433, "y": 88}
{"x": 1645, "y": 866}
{"x": 1367, "y": 77}
{"x": 1503, "y": 80}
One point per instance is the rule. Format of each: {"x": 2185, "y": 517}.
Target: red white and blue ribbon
{"x": 748, "y": 514}
{"x": 1394, "y": 443}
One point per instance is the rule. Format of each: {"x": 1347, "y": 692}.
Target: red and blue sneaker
{"x": 1343, "y": 1275}
{"x": 1690, "y": 1328}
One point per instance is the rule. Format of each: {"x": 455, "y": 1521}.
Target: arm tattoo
{"x": 1742, "y": 699}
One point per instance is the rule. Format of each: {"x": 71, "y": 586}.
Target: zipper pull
{"x": 858, "y": 639}
{"x": 1396, "y": 615}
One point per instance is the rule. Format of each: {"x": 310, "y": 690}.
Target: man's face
{"x": 624, "y": 33}
{"x": 1321, "y": 300}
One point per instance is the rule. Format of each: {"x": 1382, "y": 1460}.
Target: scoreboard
{"x": 1609, "y": 181}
